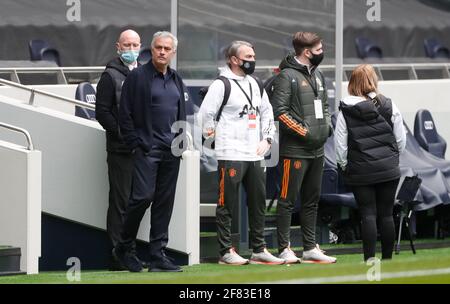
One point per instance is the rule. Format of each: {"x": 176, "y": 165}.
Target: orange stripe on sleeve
{"x": 292, "y": 125}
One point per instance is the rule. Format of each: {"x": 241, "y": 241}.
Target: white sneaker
{"x": 266, "y": 258}
{"x": 289, "y": 256}
{"x": 316, "y": 256}
{"x": 232, "y": 258}
{"x": 317, "y": 246}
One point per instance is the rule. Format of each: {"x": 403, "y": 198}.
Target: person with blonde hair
{"x": 369, "y": 138}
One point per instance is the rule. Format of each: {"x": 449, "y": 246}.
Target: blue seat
{"x": 51, "y": 54}
{"x": 145, "y": 55}
{"x": 365, "y": 48}
{"x": 35, "y": 46}
{"x": 334, "y": 192}
{"x": 426, "y": 134}
{"x": 85, "y": 92}
{"x": 331, "y": 192}
{"x": 41, "y": 50}
{"x": 434, "y": 49}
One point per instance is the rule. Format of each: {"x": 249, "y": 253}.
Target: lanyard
{"x": 251, "y": 93}
{"x": 313, "y": 84}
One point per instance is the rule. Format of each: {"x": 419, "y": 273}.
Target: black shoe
{"x": 145, "y": 264}
{"x": 164, "y": 265}
{"x": 114, "y": 265}
{"x": 127, "y": 259}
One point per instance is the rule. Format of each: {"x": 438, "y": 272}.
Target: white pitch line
{"x": 359, "y": 278}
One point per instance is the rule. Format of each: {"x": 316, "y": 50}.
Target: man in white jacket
{"x": 243, "y": 133}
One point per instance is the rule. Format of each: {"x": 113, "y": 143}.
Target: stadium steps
{"x": 10, "y": 261}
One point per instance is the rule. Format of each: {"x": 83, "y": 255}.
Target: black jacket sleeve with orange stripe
{"x": 281, "y": 100}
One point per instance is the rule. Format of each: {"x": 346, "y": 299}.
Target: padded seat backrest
{"x": 85, "y": 92}
{"x": 434, "y": 49}
{"x": 41, "y": 50}
{"x": 367, "y": 49}
{"x": 50, "y": 54}
{"x": 35, "y": 47}
{"x": 426, "y": 134}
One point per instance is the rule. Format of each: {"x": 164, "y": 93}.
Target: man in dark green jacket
{"x": 299, "y": 101}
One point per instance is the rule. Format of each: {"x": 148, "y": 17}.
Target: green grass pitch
{"x": 347, "y": 270}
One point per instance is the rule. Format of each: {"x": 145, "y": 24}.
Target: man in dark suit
{"x": 153, "y": 99}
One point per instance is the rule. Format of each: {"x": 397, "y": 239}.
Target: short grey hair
{"x": 164, "y": 34}
{"x": 233, "y": 49}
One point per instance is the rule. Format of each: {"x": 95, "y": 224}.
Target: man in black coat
{"x": 119, "y": 157}
{"x": 153, "y": 99}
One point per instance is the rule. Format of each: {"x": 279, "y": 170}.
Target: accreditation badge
{"x": 318, "y": 108}
{"x": 252, "y": 120}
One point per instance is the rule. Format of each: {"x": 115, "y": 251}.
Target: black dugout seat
{"x": 426, "y": 134}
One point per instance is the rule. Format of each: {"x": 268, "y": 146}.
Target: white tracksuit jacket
{"x": 234, "y": 140}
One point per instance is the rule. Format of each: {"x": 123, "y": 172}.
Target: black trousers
{"x": 154, "y": 183}
{"x": 304, "y": 176}
{"x": 231, "y": 175}
{"x": 120, "y": 171}
{"x": 376, "y": 202}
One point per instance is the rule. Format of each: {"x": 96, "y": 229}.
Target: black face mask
{"x": 248, "y": 67}
{"x": 316, "y": 59}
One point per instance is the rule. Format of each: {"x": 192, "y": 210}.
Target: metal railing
{"x": 20, "y": 130}
{"x": 33, "y": 92}
{"x": 60, "y": 72}
{"x": 409, "y": 69}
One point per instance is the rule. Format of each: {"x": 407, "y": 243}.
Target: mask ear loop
{"x": 237, "y": 59}
{"x": 312, "y": 54}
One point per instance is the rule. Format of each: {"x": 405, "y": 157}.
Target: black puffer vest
{"x": 373, "y": 155}
{"x": 118, "y": 73}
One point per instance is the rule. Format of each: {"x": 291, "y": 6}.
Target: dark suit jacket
{"x": 135, "y": 115}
